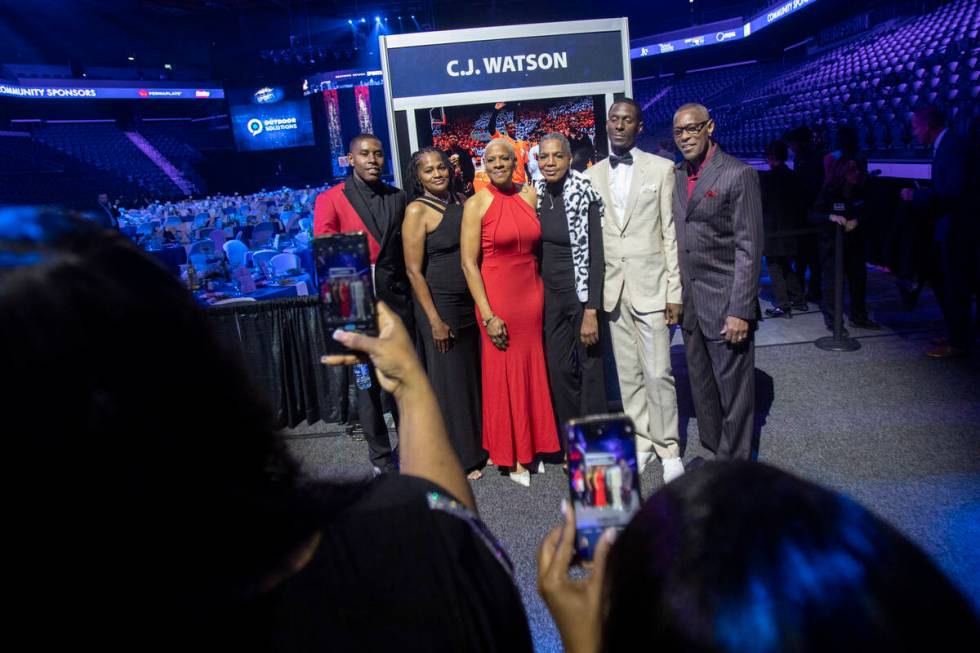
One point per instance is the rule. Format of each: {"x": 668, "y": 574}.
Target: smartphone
{"x": 603, "y": 481}
{"x": 346, "y": 286}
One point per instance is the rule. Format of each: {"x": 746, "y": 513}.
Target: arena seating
{"x": 872, "y": 83}
{"x": 105, "y": 146}
{"x": 32, "y": 173}
{"x": 70, "y": 161}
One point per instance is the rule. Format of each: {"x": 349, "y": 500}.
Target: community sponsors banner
{"x": 505, "y": 63}
{"x": 70, "y": 90}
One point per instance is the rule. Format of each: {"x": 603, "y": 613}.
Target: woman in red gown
{"x": 499, "y": 247}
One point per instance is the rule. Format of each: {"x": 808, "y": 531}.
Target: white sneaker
{"x": 643, "y": 459}
{"x": 524, "y": 478}
{"x": 540, "y": 467}
{"x": 673, "y": 467}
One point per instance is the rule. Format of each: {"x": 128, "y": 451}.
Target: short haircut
{"x": 566, "y": 147}
{"x": 502, "y": 142}
{"x": 361, "y": 137}
{"x": 694, "y": 106}
{"x": 633, "y": 103}
{"x": 778, "y": 150}
{"x": 932, "y": 116}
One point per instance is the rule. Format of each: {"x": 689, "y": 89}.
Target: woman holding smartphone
{"x": 499, "y": 248}
{"x": 198, "y": 524}
{"x": 448, "y": 333}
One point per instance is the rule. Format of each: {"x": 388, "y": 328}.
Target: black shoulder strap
{"x": 435, "y": 206}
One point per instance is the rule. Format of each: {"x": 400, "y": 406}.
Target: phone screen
{"x": 602, "y": 477}
{"x": 346, "y": 289}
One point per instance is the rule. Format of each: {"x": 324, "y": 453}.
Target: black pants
{"x": 722, "y": 377}
{"x": 855, "y": 275}
{"x": 808, "y": 257}
{"x": 786, "y": 289}
{"x": 574, "y": 370}
{"x": 371, "y": 415}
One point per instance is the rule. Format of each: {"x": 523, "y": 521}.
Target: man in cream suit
{"x": 642, "y": 290}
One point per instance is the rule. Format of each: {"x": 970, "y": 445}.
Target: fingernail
{"x": 610, "y": 535}
{"x": 338, "y": 335}
{"x": 564, "y": 507}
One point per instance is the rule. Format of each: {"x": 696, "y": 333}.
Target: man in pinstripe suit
{"x": 718, "y": 218}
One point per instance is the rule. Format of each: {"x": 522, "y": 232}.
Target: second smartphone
{"x": 603, "y": 481}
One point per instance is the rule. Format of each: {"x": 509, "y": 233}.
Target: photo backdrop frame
{"x": 512, "y": 63}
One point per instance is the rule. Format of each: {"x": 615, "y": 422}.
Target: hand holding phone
{"x": 574, "y": 603}
{"x": 391, "y": 352}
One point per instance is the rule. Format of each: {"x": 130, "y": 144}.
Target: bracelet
{"x": 488, "y": 320}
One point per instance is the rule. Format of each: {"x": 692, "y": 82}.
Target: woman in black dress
{"x": 449, "y": 335}
{"x": 572, "y": 269}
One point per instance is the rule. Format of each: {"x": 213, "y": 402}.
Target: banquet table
{"x": 291, "y": 286}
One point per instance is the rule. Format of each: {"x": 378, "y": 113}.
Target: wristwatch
{"x": 488, "y": 321}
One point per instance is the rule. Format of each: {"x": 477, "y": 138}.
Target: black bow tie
{"x": 626, "y": 159}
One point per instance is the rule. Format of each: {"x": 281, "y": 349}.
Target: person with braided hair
{"x": 449, "y": 338}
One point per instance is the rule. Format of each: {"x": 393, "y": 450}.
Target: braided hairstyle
{"x": 415, "y": 187}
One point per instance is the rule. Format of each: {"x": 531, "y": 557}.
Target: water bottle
{"x": 362, "y": 376}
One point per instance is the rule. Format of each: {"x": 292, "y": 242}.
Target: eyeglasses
{"x": 693, "y": 129}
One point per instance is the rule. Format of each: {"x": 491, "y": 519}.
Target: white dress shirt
{"x": 620, "y": 179}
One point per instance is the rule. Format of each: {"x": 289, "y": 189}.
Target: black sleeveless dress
{"x": 455, "y": 375}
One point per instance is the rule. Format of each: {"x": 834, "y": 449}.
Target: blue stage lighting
{"x": 377, "y": 19}
{"x": 350, "y": 22}
{"x": 363, "y": 20}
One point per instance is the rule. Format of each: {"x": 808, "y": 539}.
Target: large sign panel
{"x": 530, "y": 61}
{"x": 270, "y": 118}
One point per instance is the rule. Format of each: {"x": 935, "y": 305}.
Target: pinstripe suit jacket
{"x": 719, "y": 243}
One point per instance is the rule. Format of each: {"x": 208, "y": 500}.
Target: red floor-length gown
{"x": 518, "y": 419}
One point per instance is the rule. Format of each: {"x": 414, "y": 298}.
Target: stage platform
{"x": 885, "y": 424}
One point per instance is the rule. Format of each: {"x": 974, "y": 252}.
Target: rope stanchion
{"x": 838, "y": 341}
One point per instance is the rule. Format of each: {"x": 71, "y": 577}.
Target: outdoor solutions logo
{"x": 256, "y": 126}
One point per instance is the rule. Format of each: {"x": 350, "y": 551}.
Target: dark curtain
{"x": 281, "y": 342}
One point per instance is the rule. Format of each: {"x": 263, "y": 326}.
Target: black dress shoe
{"x": 779, "y": 312}
{"x": 865, "y": 323}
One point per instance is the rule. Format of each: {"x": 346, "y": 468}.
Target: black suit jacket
{"x": 782, "y": 209}
{"x": 953, "y": 167}
{"x": 719, "y": 243}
